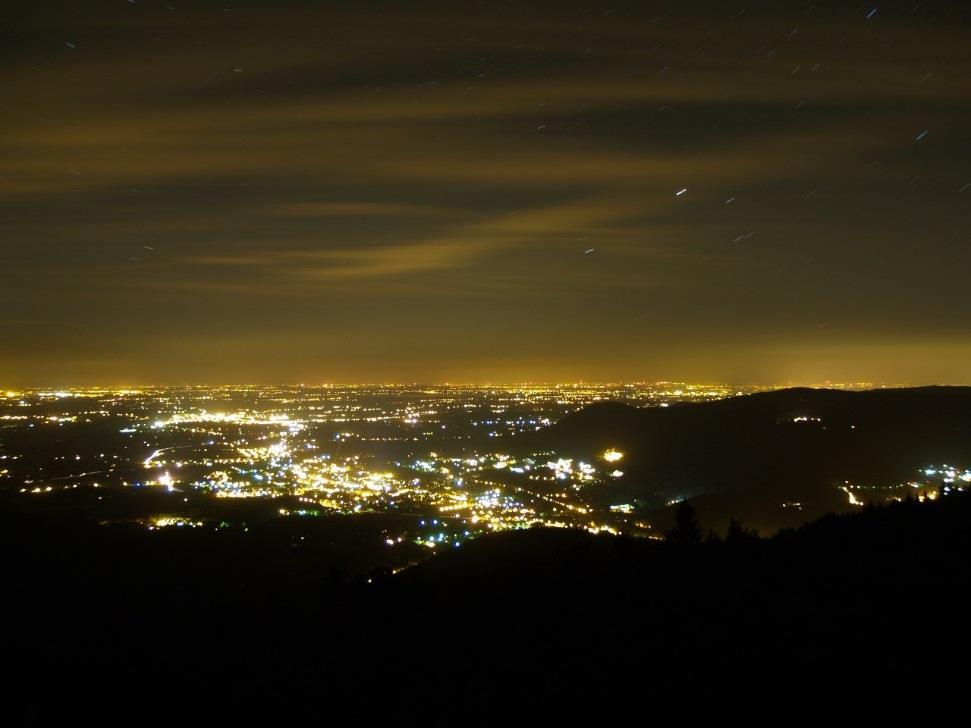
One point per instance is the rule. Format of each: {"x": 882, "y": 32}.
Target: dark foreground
{"x": 113, "y": 626}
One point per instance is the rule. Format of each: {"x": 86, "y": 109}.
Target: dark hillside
{"x": 536, "y": 623}
{"x": 764, "y": 450}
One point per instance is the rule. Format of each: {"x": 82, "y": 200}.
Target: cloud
{"x": 355, "y": 209}
{"x": 285, "y": 162}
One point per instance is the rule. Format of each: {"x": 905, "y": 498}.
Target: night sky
{"x": 310, "y": 192}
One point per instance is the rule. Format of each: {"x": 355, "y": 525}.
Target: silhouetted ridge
{"x": 544, "y": 622}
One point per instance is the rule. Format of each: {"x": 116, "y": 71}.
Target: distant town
{"x": 443, "y": 464}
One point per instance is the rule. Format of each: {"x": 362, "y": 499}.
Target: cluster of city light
{"x": 172, "y": 521}
{"x": 312, "y": 444}
{"x": 936, "y": 481}
{"x": 236, "y": 418}
{"x": 613, "y": 456}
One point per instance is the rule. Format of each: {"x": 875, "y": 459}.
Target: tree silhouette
{"x": 686, "y": 529}
{"x": 738, "y": 533}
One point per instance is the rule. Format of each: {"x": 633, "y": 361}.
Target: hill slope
{"x": 536, "y": 624}
{"x": 749, "y": 454}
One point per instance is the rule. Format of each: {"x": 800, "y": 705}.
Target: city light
{"x": 612, "y": 456}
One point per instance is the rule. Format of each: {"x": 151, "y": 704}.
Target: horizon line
{"x": 536, "y": 383}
